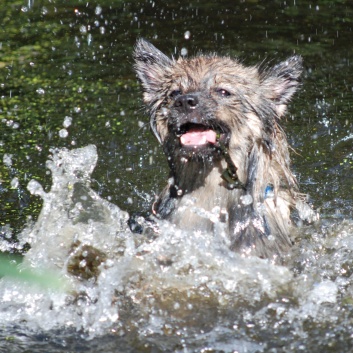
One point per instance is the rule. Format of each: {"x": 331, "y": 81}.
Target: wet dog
{"x": 218, "y": 123}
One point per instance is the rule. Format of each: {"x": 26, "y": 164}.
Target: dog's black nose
{"x": 186, "y": 102}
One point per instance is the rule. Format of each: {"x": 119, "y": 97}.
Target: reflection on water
{"x": 66, "y": 82}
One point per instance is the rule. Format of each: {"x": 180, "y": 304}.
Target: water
{"x": 68, "y": 91}
{"x": 171, "y": 289}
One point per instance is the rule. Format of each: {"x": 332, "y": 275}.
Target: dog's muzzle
{"x": 192, "y": 128}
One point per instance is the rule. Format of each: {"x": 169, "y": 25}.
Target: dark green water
{"x": 73, "y": 59}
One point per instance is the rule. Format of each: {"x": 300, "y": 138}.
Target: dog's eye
{"x": 223, "y": 92}
{"x": 175, "y": 93}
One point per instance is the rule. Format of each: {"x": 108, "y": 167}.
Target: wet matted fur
{"x": 218, "y": 123}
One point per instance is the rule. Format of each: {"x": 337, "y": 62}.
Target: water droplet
{"x": 246, "y": 199}
{"x": 7, "y": 159}
{"x": 15, "y": 183}
{"x": 98, "y": 10}
{"x": 184, "y": 52}
{"x": 83, "y": 29}
{"x": 67, "y": 121}
{"x": 89, "y": 39}
{"x": 35, "y": 188}
{"x": 63, "y": 133}
{"x": 164, "y": 110}
{"x": 171, "y": 181}
{"x": 6, "y": 231}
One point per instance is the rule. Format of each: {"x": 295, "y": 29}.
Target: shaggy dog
{"x": 218, "y": 123}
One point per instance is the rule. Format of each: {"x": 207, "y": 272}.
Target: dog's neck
{"x": 190, "y": 174}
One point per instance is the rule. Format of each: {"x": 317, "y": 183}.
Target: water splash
{"x": 165, "y": 283}
{"x": 76, "y": 233}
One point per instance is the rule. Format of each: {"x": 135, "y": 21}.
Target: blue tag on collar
{"x": 269, "y": 191}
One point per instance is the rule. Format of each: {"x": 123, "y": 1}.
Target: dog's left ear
{"x": 282, "y": 81}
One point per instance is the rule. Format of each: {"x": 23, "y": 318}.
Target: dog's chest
{"x": 206, "y": 206}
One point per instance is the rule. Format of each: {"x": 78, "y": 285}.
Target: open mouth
{"x": 197, "y": 135}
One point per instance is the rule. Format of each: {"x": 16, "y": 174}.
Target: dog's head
{"x": 207, "y": 103}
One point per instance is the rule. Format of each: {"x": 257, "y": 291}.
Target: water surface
{"x": 66, "y": 81}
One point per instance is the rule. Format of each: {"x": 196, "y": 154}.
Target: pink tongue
{"x": 197, "y": 137}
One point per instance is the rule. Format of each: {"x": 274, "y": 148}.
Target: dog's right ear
{"x": 151, "y": 66}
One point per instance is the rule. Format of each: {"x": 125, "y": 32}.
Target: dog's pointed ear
{"x": 282, "y": 81}
{"x": 151, "y": 66}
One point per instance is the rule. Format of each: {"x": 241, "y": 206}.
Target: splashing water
{"x": 187, "y": 287}
{"x": 75, "y": 234}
